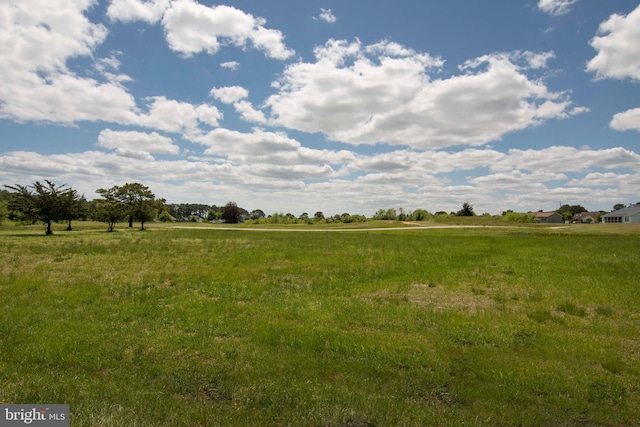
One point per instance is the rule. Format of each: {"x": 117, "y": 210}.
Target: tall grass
{"x": 523, "y": 326}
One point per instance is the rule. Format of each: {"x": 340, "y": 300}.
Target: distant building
{"x": 549, "y": 218}
{"x": 630, "y": 214}
{"x": 586, "y": 217}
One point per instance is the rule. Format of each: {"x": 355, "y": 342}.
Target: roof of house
{"x": 545, "y": 214}
{"x": 585, "y": 214}
{"x": 625, "y": 212}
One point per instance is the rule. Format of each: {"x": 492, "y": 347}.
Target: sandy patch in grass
{"x": 438, "y": 298}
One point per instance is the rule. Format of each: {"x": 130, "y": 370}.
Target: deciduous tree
{"x": 257, "y": 214}
{"x": 568, "y": 211}
{"x": 45, "y": 202}
{"x": 231, "y": 213}
{"x": 108, "y": 209}
{"x": 74, "y": 206}
{"x": 467, "y": 210}
{"x": 138, "y": 201}
{"x": 135, "y": 196}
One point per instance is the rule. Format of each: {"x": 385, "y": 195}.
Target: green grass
{"x": 202, "y": 327}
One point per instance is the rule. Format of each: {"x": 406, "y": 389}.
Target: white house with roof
{"x": 586, "y": 217}
{"x": 630, "y": 214}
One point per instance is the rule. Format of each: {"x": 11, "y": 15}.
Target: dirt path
{"x": 418, "y": 227}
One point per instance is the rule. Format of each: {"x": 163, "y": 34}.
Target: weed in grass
{"x": 604, "y": 310}
{"x": 613, "y": 366}
{"x": 524, "y": 338}
{"x": 572, "y": 309}
{"x": 607, "y": 391}
{"x": 543, "y": 316}
{"x": 500, "y": 299}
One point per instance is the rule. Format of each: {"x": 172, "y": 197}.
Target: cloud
{"x": 38, "y": 86}
{"x": 618, "y": 48}
{"x": 106, "y": 65}
{"x": 242, "y": 147}
{"x": 229, "y": 94}
{"x": 150, "y": 11}
{"x": 127, "y": 142}
{"x": 565, "y": 159}
{"x": 109, "y": 63}
{"x": 191, "y": 28}
{"x": 516, "y": 180}
{"x": 177, "y": 117}
{"x": 235, "y": 95}
{"x": 272, "y": 155}
{"x": 608, "y": 179}
{"x": 555, "y": 7}
{"x": 385, "y": 93}
{"x": 273, "y": 172}
{"x": 231, "y": 65}
{"x": 38, "y": 38}
{"x": 431, "y": 162}
{"x": 627, "y": 120}
{"x": 39, "y": 35}
{"x": 248, "y": 113}
{"x": 535, "y": 59}
{"x": 327, "y": 16}
{"x": 90, "y": 170}
{"x": 65, "y": 99}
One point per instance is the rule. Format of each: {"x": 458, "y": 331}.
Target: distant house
{"x": 630, "y": 214}
{"x": 549, "y": 218}
{"x": 586, "y": 217}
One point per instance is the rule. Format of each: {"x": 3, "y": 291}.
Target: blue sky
{"x": 334, "y": 106}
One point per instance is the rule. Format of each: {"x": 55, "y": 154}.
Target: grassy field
{"x": 202, "y": 327}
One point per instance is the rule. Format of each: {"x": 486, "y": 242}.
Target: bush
{"x": 420, "y": 215}
{"x": 165, "y": 216}
{"x": 519, "y": 217}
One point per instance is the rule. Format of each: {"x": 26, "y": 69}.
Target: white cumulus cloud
{"x": 38, "y": 38}
{"x": 249, "y": 113}
{"x": 235, "y": 95}
{"x": 179, "y": 117}
{"x": 191, "y": 27}
{"x": 627, "y": 120}
{"x": 150, "y": 11}
{"x": 229, "y": 94}
{"x": 618, "y": 46}
{"x": 385, "y": 93}
{"x": 127, "y": 141}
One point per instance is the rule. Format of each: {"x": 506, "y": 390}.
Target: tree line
{"x": 50, "y": 203}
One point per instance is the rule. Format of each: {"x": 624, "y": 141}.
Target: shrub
{"x": 519, "y": 217}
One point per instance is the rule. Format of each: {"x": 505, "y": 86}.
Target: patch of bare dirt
{"x": 439, "y": 298}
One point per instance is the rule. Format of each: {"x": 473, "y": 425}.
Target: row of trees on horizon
{"x": 50, "y": 203}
